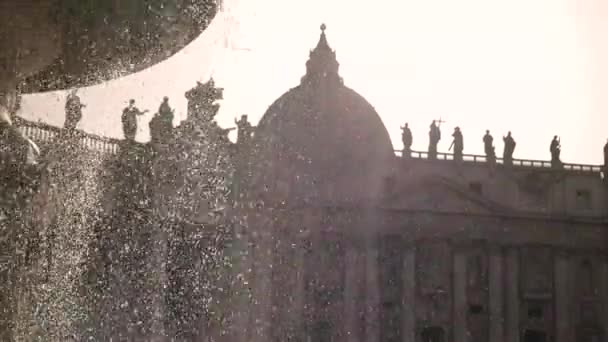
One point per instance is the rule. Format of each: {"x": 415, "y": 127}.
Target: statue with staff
{"x": 457, "y": 143}
{"x": 434, "y": 137}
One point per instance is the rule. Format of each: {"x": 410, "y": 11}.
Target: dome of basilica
{"x": 320, "y": 142}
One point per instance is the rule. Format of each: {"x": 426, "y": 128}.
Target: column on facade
{"x": 512, "y": 295}
{"x": 241, "y": 304}
{"x": 408, "y": 305}
{"x": 459, "y": 314}
{"x": 159, "y": 258}
{"x": 299, "y": 300}
{"x": 262, "y": 287}
{"x": 372, "y": 295}
{"x": 563, "y": 321}
{"x": 604, "y": 293}
{"x": 496, "y": 298}
{"x": 352, "y": 277}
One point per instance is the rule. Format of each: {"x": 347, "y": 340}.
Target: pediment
{"x": 439, "y": 194}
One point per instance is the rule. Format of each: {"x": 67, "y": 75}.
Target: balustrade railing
{"x": 529, "y": 163}
{"x": 44, "y": 133}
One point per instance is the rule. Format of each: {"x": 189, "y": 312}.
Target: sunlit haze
{"x": 537, "y": 68}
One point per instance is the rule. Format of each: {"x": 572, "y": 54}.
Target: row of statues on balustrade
{"x": 161, "y": 125}
{"x": 488, "y": 142}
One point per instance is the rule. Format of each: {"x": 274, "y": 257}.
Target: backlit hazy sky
{"x": 535, "y": 67}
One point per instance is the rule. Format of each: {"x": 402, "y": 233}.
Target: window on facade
{"x": 535, "y": 336}
{"x": 475, "y": 187}
{"x": 321, "y": 332}
{"x": 390, "y": 322}
{"x": 475, "y": 309}
{"x": 590, "y": 335}
{"x": 583, "y": 199}
{"x": 432, "y": 334}
{"x": 535, "y": 311}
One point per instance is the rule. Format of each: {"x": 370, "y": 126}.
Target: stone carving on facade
{"x": 202, "y": 100}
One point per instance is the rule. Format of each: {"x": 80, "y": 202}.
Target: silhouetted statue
{"x": 73, "y": 110}
{"x": 161, "y": 125}
{"x": 434, "y": 137}
{"x": 507, "y": 155}
{"x": 245, "y": 130}
{"x": 606, "y": 155}
{"x": 488, "y": 147}
{"x": 457, "y": 143}
{"x": 129, "y": 120}
{"x": 406, "y": 138}
{"x": 555, "y": 148}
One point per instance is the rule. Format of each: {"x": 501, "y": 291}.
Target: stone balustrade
{"x": 527, "y": 163}
{"x": 42, "y": 133}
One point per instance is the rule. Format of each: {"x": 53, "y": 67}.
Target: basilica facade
{"x": 347, "y": 241}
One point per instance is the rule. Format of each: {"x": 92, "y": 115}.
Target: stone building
{"x": 347, "y": 241}
{"x": 333, "y": 236}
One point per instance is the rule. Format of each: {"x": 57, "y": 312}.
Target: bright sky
{"x": 535, "y": 67}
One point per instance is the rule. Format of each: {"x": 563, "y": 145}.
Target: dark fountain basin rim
{"x": 88, "y": 64}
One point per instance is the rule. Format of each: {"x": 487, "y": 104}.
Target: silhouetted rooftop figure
{"x": 161, "y": 124}
{"x": 129, "y": 120}
{"x": 245, "y": 130}
{"x": 457, "y": 143}
{"x": 606, "y": 155}
{"x": 406, "y": 138}
{"x": 507, "y": 155}
{"x": 73, "y": 110}
{"x": 488, "y": 147}
{"x": 434, "y": 137}
{"x": 555, "y": 149}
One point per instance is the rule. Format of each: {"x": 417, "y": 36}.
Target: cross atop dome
{"x": 323, "y": 39}
{"x": 322, "y": 64}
